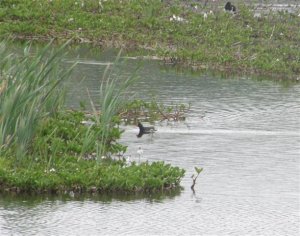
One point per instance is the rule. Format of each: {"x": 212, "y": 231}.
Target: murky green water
{"x": 247, "y": 142}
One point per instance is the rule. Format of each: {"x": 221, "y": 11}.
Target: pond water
{"x": 243, "y": 132}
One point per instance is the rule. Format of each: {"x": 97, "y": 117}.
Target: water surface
{"x": 243, "y": 132}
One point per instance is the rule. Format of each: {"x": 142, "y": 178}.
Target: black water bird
{"x": 230, "y": 7}
{"x": 145, "y": 130}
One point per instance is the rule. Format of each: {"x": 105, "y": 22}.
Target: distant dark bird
{"x": 230, "y": 7}
{"x": 145, "y": 130}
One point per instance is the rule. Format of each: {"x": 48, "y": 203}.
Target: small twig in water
{"x": 198, "y": 170}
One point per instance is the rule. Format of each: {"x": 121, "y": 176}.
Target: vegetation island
{"x": 45, "y": 148}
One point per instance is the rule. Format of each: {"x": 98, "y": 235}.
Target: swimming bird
{"x": 145, "y": 130}
{"x": 230, "y": 7}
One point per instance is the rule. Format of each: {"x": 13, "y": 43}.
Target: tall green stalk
{"x": 113, "y": 97}
{"x": 30, "y": 90}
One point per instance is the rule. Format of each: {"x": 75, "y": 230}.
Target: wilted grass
{"x": 31, "y": 88}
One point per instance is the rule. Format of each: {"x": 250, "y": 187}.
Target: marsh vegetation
{"x": 185, "y": 33}
{"x": 45, "y": 148}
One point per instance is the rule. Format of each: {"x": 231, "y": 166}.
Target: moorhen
{"x": 145, "y": 130}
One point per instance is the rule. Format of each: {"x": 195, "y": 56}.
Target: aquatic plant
{"x": 30, "y": 90}
{"x": 113, "y": 97}
{"x": 152, "y": 111}
{"x": 65, "y": 135}
{"x": 82, "y": 176}
{"x": 242, "y": 43}
{"x": 47, "y": 149}
{"x": 51, "y": 166}
{"x": 194, "y": 177}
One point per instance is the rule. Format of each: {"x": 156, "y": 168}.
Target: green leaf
{"x": 198, "y": 170}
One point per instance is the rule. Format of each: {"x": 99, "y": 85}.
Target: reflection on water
{"x": 243, "y": 132}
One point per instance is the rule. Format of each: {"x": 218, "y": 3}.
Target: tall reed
{"x": 113, "y": 97}
{"x": 30, "y": 89}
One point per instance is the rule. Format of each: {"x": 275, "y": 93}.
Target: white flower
{"x": 52, "y": 170}
{"x": 180, "y": 19}
{"x": 128, "y": 161}
{"x": 176, "y": 18}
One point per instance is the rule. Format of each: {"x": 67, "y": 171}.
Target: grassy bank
{"x": 177, "y": 33}
{"x": 46, "y": 149}
{"x": 69, "y": 174}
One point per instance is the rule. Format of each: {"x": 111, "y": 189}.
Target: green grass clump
{"x": 88, "y": 176}
{"x": 238, "y": 43}
{"x": 65, "y": 135}
{"x": 113, "y": 98}
{"x": 31, "y": 89}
